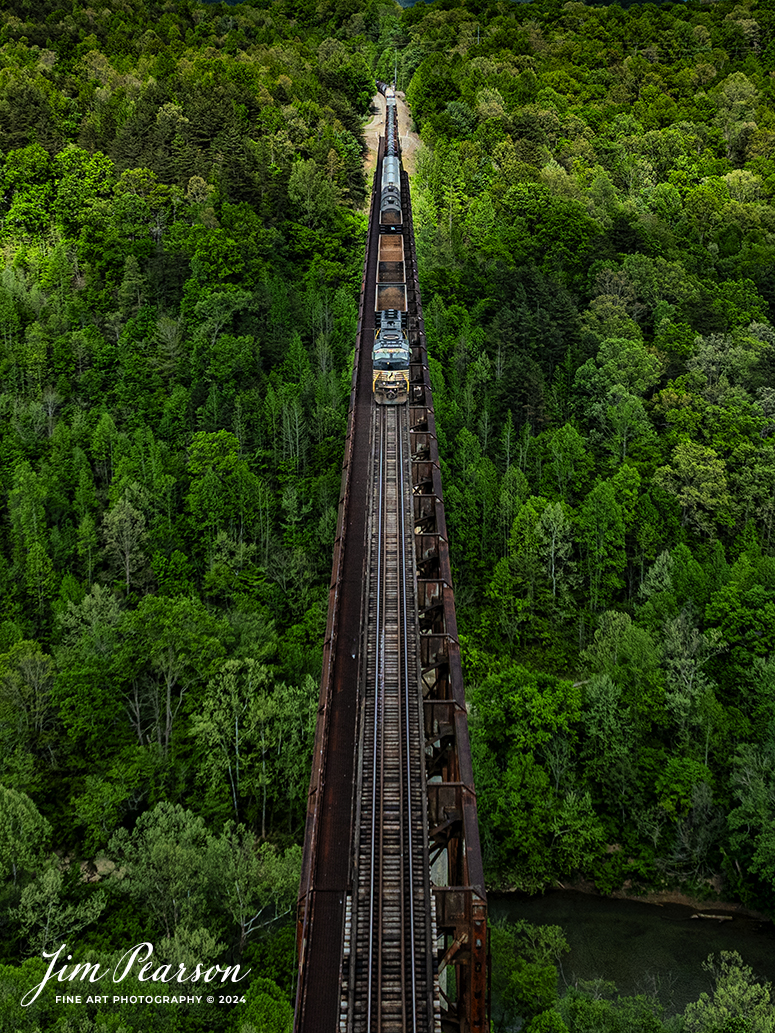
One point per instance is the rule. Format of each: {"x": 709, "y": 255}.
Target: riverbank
{"x": 657, "y": 950}
{"x": 702, "y": 905}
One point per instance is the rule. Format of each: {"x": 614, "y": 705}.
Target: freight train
{"x": 390, "y": 355}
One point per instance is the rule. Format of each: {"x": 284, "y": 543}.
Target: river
{"x": 642, "y": 947}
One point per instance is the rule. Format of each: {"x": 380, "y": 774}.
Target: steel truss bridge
{"x": 392, "y": 913}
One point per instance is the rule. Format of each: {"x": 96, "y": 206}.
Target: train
{"x": 390, "y": 353}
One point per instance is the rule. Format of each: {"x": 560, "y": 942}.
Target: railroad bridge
{"x": 392, "y": 916}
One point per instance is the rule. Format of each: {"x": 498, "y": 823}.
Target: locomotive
{"x": 390, "y": 354}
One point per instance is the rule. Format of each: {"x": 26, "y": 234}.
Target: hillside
{"x": 182, "y": 231}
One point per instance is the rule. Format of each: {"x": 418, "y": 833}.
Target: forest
{"x": 182, "y": 189}
{"x": 594, "y": 214}
{"x": 182, "y": 232}
{"x": 596, "y": 230}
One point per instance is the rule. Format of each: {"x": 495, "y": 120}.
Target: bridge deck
{"x": 391, "y": 788}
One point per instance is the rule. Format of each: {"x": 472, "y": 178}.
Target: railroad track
{"x": 389, "y": 974}
{"x": 380, "y": 953}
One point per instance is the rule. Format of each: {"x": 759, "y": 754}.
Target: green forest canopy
{"x": 182, "y": 233}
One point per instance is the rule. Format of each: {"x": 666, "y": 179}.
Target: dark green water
{"x": 642, "y": 946}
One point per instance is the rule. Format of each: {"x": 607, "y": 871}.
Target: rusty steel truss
{"x": 461, "y": 904}
{"x": 461, "y": 947}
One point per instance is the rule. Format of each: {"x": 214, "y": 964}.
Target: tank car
{"x": 390, "y": 196}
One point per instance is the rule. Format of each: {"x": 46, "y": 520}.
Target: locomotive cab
{"x": 390, "y": 360}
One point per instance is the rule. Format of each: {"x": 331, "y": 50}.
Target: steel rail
{"x": 377, "y": 722}
{"x": 408, "y": 730}
{"x": 390, "y": 967}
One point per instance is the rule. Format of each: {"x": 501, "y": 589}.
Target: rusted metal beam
{"x": 326, "y": 861}
{"x": 461, "y": 905}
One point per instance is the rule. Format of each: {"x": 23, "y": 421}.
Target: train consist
{"x": 390, "y": 355}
